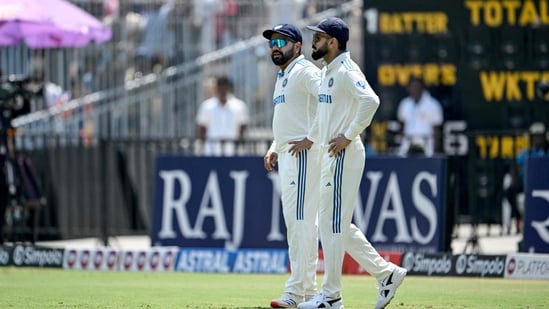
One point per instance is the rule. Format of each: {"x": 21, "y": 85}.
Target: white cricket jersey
{"x": 223, "y": 122}
{"x": 346, "y": 102}
{"x": 420, "y": 118}
{"x": 295, "y": 102}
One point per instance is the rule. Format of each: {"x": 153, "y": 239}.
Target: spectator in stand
{"x": 539, "y": 147}
{"x": 204, "y": 21}
{"x": 421, "y": 118}
{"x": 286, "y": 11}
{"x": 222, "y": 120}
{"x": 110, "y": 7}
{"x": 158, "y": 44}
{"x": 53, "y": 94}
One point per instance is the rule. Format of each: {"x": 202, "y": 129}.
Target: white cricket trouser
{"x": 339, "y": 186}
{"x": 299, "y": 182}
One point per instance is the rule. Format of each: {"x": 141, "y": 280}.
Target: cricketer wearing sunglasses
{"x": 295, "y": 104}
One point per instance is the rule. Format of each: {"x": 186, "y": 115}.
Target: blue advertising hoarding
{"x": 233, "y": 203}
{"x": 536, "y": 201}
{"x": 401, "y": 203}
{"x": 215, "y": 260}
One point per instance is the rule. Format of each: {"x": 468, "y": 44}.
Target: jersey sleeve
{"x": 272, "y": 148}
{"x": 314, "y": 134}
{"x": 311, "y": 76}
{"x": 312, "y": 83}
{"x": 367, "y": 99}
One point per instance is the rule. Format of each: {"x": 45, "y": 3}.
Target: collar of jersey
{"x": 337, "y": 60}
{"x": 290, "y": 67}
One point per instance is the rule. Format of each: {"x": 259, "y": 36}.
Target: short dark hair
{"x": 342, "y": 45}
{"x": 416, "y": 78}
{"x": 224, "y": 81}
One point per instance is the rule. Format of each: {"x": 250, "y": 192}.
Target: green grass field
{"x": 49, "y": 288}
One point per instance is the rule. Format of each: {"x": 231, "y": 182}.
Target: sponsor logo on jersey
{"x": 325, "y": 98}
{"x": 280, "y": 99}
{"x": 361, "y": 84}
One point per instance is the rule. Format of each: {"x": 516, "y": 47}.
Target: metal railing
{"x": 94, "y": 154}
{"x": 163, "y": 104}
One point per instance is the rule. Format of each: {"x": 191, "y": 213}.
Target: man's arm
{"x": 242, "y": 131}
{"x": 201, "y": 132}
{"x": 368, "y": 102}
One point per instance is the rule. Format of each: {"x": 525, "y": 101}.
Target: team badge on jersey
{"x": 361, "y": 84}
{"x": 285, "y": 82}
{"x": 331, "y": 82}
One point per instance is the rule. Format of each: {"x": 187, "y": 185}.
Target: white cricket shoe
{"x": 321, "y": 301}
{"x": 287, "y": 300}
{"x": 388, "y": 287}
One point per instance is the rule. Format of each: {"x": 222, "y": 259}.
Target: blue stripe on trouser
{"x": 301, "y": 182}
{"x": 338, "y": 179}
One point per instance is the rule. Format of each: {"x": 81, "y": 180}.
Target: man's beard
{"x": 320, "y": 52}
{"x": 284, "y": 58}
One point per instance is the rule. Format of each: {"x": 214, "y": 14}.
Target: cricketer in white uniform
{"x": 346, "y": 106}
{"x": 294, "y": 100}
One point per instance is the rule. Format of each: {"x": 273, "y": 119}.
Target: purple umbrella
{"x": 48, "y": 23}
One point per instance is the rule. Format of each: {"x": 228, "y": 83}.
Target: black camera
{"x": 15, "y": 96}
